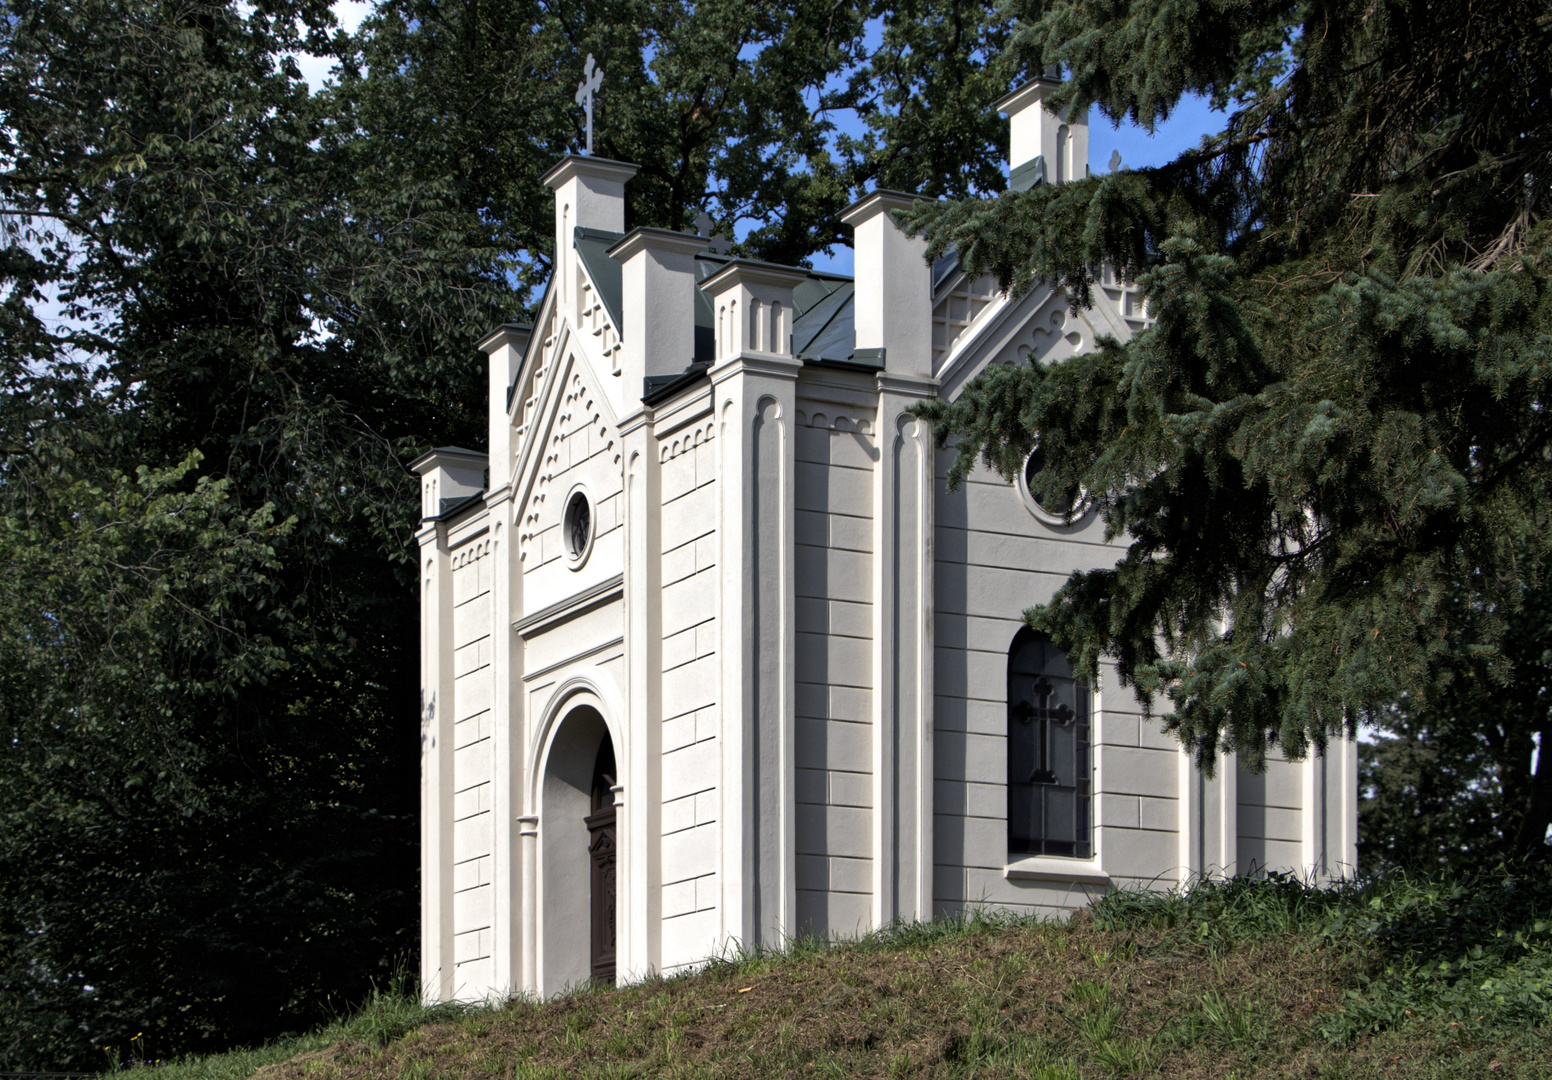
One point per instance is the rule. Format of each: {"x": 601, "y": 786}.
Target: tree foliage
{"x": 1446, "y": 781}
{"x": 1329, "y": 451}
{"x": 731, "y": 107}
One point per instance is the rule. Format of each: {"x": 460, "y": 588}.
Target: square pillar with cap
{"x": 657, "y": 340}
{"x": 504, "y": 348}
{"x": 449, "y": 475}
{"x": 589, "y": 192}
{"x": 893, "y": 283}
{"x": 754, "y": 387}
{"x": 657, "y": 306}
{"x": 1042, "y": 146}
{"x": 894, "y": 329}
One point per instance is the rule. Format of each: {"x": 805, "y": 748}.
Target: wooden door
{"x": 601, "y": 854}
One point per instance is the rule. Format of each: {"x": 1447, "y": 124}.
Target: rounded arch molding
{"x": 574, "y": 692}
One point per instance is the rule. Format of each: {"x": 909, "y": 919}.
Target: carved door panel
{"x": 601, "y": 851}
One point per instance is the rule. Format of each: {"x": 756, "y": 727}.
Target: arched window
{"x": 1050, "y": 776}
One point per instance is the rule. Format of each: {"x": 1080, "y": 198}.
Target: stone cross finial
{"x": 592, "y": 79}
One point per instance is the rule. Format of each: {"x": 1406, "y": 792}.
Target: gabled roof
{"x": 824, "y": 329}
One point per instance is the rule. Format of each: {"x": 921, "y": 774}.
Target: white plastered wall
{"x": 473, "y": 762}
{"x": 690, "y": 767}
{"x": 836, "y": 454}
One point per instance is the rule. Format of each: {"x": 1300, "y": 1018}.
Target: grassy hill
{"x": 1246, "y": 979}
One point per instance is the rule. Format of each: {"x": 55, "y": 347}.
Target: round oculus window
{"x": 578, "y": 526}
{"x": 1043, "y": 498}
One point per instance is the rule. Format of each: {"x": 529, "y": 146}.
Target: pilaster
{"x": 894, "y": 323}
{"x": 903, "y": 660}
{"x": 448, "y": 475}
{"x": 1328, "y": 815}
{"x": 754, "y": 384}
{"x": 505, "y": 348}
{"x": 1209, "y": 818}
{"x": 528, "y": 917}
{"x": 642, "y": 890}
{"x": 436, "y": 764}
{"x": 507, "y": 736}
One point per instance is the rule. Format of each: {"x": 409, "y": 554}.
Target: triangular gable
{"x": 1038, "y": 325}
{"x": 560, "y": 398}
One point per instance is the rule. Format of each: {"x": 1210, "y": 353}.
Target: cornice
{"x": 1035, "y": 89}
{"x": 878, "y": 201}
{"x": 451, "y": 453}
{"x": 753, "y": 270}
{"x": 571, "y": 607}
{"x": 594, "y": 167}
{"x": 645, "y": 238}
{"x": 773, "y": 365}
{"x": 494, "y": 340}
{"x": 913, "y": 385}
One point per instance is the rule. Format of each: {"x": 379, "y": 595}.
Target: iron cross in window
{"x": 1024, "y": 713}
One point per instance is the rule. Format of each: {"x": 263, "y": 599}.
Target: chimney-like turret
{"x": 448, "y": 476}
{"x": 1043, "y": 147}
{"x": 751, "y": 305}
{"x": 505, "y": 347}
{"x": 893, "y": 286}
{"x": 657, "y": 305}
{"x": 589, "y": 192}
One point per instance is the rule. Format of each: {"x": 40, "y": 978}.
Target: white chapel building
{"x": 711, "y": 656}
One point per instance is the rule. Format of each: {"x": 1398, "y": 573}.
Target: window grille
{"x": 1050, "y": 773}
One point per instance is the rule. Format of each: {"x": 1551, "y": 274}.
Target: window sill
{"x": 1050, "y": 868}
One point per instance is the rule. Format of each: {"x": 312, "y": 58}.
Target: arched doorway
{"x": 578, "y": 854}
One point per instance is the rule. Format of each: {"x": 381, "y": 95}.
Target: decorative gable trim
{"x": 599, "y": 294}
{"x": 1002, "y": 327}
